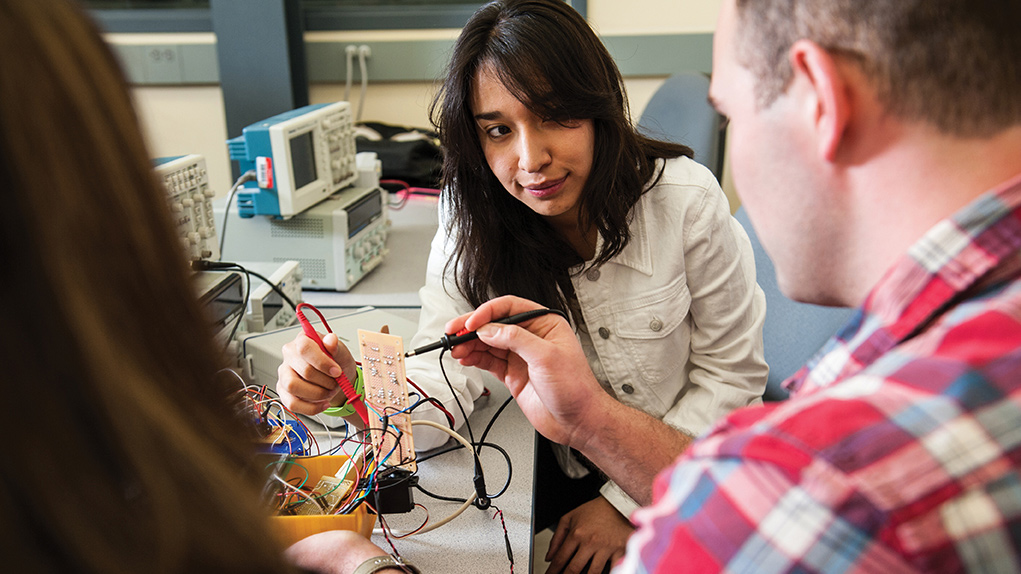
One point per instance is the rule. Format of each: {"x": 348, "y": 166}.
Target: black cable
{"x": 274, "y": 287}
{"x": 241, "y": 315}
{"x": 481, "y": 497}
{"x": 421, "y": 401}
{"x": 510, "y": 467}
{"x": 438, "y": 496}
{"x": 471, "y": 437}
{"x": 457, "y": 446}
{"x": 492, "y": 420}
{"x": 221, "y": 265}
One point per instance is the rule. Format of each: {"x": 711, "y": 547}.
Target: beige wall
{"x": 190, "y": 119}
{"x": 612, "y": 17}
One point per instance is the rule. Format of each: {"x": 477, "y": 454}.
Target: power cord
{"x": 350, "y": 55}
{"x": 363, "y": 53}
{"x": 245, "y": 177}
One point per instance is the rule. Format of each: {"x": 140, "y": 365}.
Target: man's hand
{"x": 541, "y": 363}
{"x": 306, "y": 380}
{"x": 593, "y": 534}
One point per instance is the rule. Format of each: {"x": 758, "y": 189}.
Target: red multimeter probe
{"x": 345, "y": 385}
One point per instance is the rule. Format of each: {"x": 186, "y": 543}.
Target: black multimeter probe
{"x": 448, "y": 340}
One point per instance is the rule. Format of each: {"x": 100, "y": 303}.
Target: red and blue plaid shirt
{"x": 900, "y": 449}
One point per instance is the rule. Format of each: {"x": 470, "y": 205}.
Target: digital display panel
{"x": 224, "y": 300}
{"x": 364, "y": 212}
{"x": 271, "y": 305}
{"x": 303, "y": 160}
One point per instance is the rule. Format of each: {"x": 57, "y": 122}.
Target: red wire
{"x": 355, "y": 399}
{"x": 437, "y": 404}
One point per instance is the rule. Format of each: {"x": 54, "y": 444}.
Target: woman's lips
{"x": 546, "y": 188}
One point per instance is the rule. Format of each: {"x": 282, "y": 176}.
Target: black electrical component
{"x": 393, "y": 492}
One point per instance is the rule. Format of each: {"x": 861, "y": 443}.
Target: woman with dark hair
{"x": 550, "y": 193}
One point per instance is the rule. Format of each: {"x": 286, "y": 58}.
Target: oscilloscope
{"x": 300, "y": 158}
{"x": 187, "y": 185}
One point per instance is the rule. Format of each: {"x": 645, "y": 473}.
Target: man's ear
{"x": 816, "y": 71}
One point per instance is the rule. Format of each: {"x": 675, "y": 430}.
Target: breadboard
{"x": 386, "y": 393}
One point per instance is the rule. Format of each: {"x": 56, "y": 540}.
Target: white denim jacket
{"x": 673, "y": 324}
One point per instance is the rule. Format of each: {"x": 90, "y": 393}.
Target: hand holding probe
{"x": 448, "y": 340}
{"x": 345, "y": 385}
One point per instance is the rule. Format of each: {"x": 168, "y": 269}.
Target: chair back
{"x": 793, "y": 331}
{"x": 679, "y": 112}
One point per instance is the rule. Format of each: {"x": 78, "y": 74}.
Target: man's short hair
{"x": 955, "y": 64}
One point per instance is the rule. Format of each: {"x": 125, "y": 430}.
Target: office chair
{"x": 793, "y": 331}
{"x": 679, "y": 112}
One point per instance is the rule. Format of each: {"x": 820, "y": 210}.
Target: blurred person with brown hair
{"x": 125, "y": 454}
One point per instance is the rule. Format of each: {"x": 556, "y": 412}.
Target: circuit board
{"x": 329, "y": 493}
{"x": 386, "y": 395}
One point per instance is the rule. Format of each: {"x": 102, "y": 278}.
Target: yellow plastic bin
{"x": 291, "y": 529}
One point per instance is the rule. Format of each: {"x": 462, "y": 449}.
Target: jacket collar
{"x": 637, "y": 254}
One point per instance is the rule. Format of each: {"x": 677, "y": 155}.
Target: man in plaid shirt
{"x": 876, "y": 145}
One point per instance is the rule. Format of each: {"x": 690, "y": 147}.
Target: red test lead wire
{"x": 345, "y": 385}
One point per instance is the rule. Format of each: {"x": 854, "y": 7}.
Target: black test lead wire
{"x": 447, "y": 341}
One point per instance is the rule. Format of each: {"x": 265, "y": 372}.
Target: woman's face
{"x": 542, "y": 163}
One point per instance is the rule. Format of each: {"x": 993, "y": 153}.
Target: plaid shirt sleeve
{"x": 875, "y": 475}
{"x": 773, "y": 509}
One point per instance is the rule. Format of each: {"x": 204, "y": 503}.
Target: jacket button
{"x": 656, "y": 324}
{"x": 627, "y": 388}
{"x": 604, "y": 332}
{"x": 592, "y": 275}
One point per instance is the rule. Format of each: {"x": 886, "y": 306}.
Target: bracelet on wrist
{"x": 377, "y": 563}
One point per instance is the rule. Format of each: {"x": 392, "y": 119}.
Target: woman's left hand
{"x": 594, "y": 534}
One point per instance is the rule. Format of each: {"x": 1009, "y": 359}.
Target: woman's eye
{"x": 497, "y": 131}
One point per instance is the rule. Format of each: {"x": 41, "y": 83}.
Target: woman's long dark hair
{"x": 545, "y": 54}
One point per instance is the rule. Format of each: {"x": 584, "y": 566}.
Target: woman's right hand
{"x": 306, "y": 380}
{"x": 334, "y": 552}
